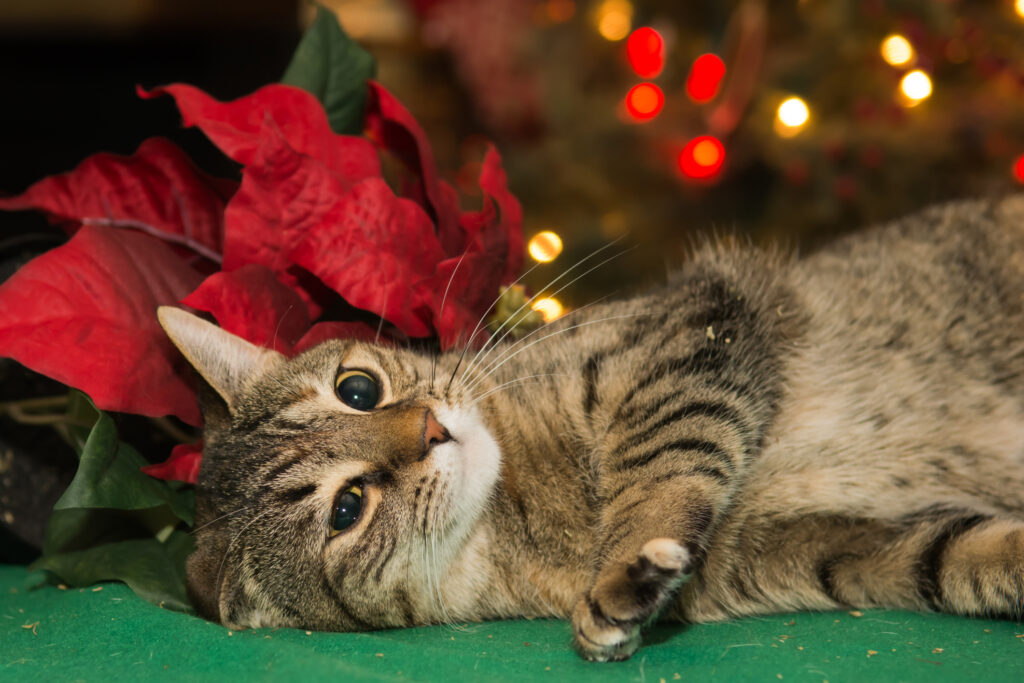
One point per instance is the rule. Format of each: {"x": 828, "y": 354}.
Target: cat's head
{"x": 336, "y": 487}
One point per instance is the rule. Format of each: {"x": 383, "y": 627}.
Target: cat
{"x": 761, "y": 434}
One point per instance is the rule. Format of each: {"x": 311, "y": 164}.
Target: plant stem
{"x": 34, "y": 403}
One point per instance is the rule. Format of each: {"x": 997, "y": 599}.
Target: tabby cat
{"x": 761, "y": 434}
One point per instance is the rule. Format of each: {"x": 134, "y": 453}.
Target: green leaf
{"x": 109, "y": 477}
{"x": 333, "y": 67}
{"x": 154, "y": 571}
{"x": 82, "y": 416}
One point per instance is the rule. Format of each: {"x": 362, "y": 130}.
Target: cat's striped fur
{"x": 846, "y": 429}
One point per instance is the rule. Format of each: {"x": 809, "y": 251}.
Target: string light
{"x": 549, "y": 307}
{"x": 702, "y": 158}
{"x": 916, "y": 86}
{"x": 644, "y": 101}
{"x": 705, "y": 77}
{"x": 645, "y": 50}
{"x": 897, "y": 50}
{"x": 1019, "y": 7}
{"x": 791, "y": 117}
{"x": 1018, "y": 166}
{"x": 614, "y": 19}
{"x": 545, "y": 246}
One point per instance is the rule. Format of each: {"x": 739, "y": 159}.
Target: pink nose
{"x": 433, "y": 433}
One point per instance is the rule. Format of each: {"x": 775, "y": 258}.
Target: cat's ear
{"x": 225, "y": 361}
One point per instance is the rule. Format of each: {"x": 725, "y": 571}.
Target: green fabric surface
{"x": 106, "y": 633}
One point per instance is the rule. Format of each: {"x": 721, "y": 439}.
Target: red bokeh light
{"x": 1018, "y": 169}
{"x": 644, "y": 101}
{"x": 702, "y": 158}
{"x": 646, "y": 52}
{"x": 705, "y": 77}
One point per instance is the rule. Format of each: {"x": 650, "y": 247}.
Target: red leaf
{"x": 253, "y": 304}
{"x": 382, "y": 248}
{"x": 494, "y": 183}
{"x": 365, "y": 243}
{"x": 492, "y": 248}
{"x": 395, "y": 129}
{"x": 282, "y": 192}
{"x": 85, "y": 315}
{"x": 157, "y": 191}
{"x": 183, "y": 465}
{"x": 235, "y": 127}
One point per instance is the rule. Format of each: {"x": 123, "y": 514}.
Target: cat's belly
{"x": 898, "y": 436}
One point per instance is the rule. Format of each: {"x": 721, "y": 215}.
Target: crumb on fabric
{"x": 856, "y": 613}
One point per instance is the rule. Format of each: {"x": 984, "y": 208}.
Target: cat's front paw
{"x": 606, "y": 621}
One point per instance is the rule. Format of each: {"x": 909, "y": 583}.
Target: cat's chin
{"x": 471, "y": 461}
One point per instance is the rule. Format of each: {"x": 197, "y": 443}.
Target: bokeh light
{"x": 614, "y": 19}
{"x": 645, "y": 50}
{"x": 545, "y": 246}
{"x": 916, "y": 86}
{"x": 644, "y": 101}
{"x": 897, "y": 50}
{"x": 549, "y": 307}
{"x": 702, "y": 157}
{"x": 1018, "y": 166}
{"x": 705, "y": 77}
{"x": 792, "y": 116}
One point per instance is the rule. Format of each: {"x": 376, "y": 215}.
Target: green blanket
{"x": 106, "y": 633}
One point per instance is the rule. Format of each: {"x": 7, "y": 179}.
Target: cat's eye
{"x": 357, "y": 389}
{"x": 346, "y": 509}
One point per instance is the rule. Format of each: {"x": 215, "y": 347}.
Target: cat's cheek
{"x": 475, "y": 458}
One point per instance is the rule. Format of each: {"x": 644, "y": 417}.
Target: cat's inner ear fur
{"x": 225, "y": 361}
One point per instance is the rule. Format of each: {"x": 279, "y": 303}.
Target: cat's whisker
{"x": 543, "y": 328}
{"x": 440, "y": 312}
{"x": 490, "y": 370}
{"x": 227, "y": 551}
{"x": 214, "y": 521}
{"x": 277, "y": 329}
{"x": 494, "y": 340}
{"x": 477, "y": 399}
{"x": 477, "y": 328}
{"x": 473, "y": 363}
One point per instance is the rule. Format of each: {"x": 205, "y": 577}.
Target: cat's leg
{"x": 654, "y": 520}
{"x": 952, "y": 560}
{"x": 677, "y": 412}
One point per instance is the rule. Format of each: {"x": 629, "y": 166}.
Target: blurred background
{"x": 655, "y": 120}
{"x": 647, "y": 120}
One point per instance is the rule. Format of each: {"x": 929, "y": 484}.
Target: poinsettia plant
{"x": 312, "y": 244}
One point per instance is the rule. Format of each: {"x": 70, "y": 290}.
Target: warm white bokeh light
{"x": 549, "y": 307}
{"x": 545, "y": 246}
{"x": 614, "y": 19}
{"x": 794, "y": 112}
{"x": 916, "y": 86}
{"x": 897, "y": 50}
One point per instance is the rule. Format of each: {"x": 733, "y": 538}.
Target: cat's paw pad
{"x": 598, "y": 637}
{"x": 667, "y": 555}
{"x": 607, "y": 620}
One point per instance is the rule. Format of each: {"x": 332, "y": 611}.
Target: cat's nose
{"x": 434, "y": 433}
